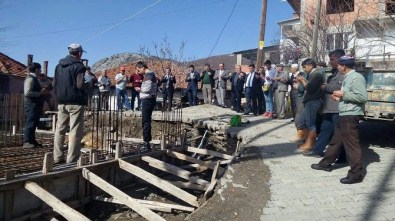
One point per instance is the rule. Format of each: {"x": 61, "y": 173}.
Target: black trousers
{"x": 167, "y": 96}
{"x": 236, "y": 100}
{"x": 260, "y": 101}
{"x": 347, "y": 135}
{"x": 147, "y": 106}
{"x": 32, "y": 118}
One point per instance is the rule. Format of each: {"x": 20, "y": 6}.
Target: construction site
{"x": 189, "y": 156}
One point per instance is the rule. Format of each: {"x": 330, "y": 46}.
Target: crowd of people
{"x": 326, "y": 110}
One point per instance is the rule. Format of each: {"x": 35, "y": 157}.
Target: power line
{"x": 223, "y": 28}
{"x": 108, "y": 24}
{"x": 117, "y": 24}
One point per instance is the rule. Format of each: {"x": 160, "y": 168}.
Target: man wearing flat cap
{"x": 72, "y": 98}
{"x": 352, "y": 98}
{"x": 280, "y": 89}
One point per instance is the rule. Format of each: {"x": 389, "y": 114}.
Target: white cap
{"x": 294, "y": 66}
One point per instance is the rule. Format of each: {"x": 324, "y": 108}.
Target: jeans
{"x": 299, "y": 112}
{"x": 147, "y": 106}
{"x": 309, "y": 117}
{"x": 122, "y": 98}
{"x": 134, "y": 95}
{"x": 327, "y": 128}
{"x": 69, "y": 116}
{"x": 269, "y": 100}
{"x": 192, "y": 97}
{"x": 32, "y": 118}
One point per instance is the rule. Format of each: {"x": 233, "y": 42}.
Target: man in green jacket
{"x": 352, "y": 98}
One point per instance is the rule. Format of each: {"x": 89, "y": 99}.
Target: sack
{"x": 235, "y": 121}
{"x": 266, "y": 87}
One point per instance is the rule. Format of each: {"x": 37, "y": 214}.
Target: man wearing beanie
{"x": 351, "y": 97}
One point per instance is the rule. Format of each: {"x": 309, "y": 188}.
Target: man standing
{"x": 46, "y": 83}
{"x": 147, "y": 91}
{"x": 252, "y": 88}
{"x": 207, "y": 83}
{"x": 136, "y": 79}
{"x": 91, "y": 81}
{"x": 312, "y": 101}
{"x": 120, "y": 90}
{"x": 70, "y": 91}
{"x": 104, "y": 89}
{"x": 352, "y": 98}
{"x": 280, "y": 88}
{"x": 297, "y": 94}
{"x": 220, "y": 77}
{"x": 237, "y": 82}
{"x": 270, "y": 74}
{"x": 33, "y": 104}
{"x": 168, "y": 81}
{"x": 192, "y": 78}
{"x": 330, "y": 107}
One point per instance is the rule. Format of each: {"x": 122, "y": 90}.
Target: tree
{"x": 358, "y": 26}
{"x": 166, "y": 56}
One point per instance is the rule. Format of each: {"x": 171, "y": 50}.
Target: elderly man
{"x": 104, "y": 84}
{"x": 237, "y": 80}
{"x": 352, "y": 98}
{"x": 280, "y": 88}
{"x": 220, "y": 77}
{"x": 33, "y": 104}
{"x": 121, "y": 81}
{"x": 72, "y": 99}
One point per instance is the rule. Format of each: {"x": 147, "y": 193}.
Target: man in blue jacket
{"x": 168, "y": 81}
{"x": 352, "y": 98}
{"x": 192, "y": 78}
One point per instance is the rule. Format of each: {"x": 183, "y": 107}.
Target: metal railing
{"x": 12, "y": 119}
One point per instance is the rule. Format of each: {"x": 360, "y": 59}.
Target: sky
{"x": 45, "y": 28}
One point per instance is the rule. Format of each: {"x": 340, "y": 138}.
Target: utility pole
{"x": 262, "y": 34}
{"x": 313, "y": 53}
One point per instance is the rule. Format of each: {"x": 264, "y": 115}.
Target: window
{"x": 337, "y": 40}
{"x": 339, "y": 6}
{"x": 390, "y": 7}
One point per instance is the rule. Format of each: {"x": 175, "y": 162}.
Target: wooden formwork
{"x": 65, "y": 188}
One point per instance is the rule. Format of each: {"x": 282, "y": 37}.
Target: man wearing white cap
{"x": 72, "y": 99}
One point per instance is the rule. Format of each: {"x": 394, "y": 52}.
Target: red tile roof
{"x": 11, "y": 67}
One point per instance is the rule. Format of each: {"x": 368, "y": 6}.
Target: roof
{"x": 295, "y": 4}
{"x": 289, "y": 21}
{"x": 10, "y": 66}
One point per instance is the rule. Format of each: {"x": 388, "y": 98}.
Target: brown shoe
{"x": 298, "y": 137}
{"x": 309, "y": 143}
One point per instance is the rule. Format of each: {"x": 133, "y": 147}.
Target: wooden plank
{"x": 215, "y": 172}
{"x": 118, "y": 150}
{"x": 190, "y": 159}
{"x": 121, "y": 196}
{"x": 160, "y": 183}
{"x": 165, "y": 207}
{"x": 209, "y": 152}
{"x": 112, "y": 200}
{"x": 48, "y": 163}
{"x": 210, "y": 190}
{"x": 138, "y": 140}
{"x": 188, "y": 185}
{"x": 185, "y": 174}
{"x": 56, "y": 204}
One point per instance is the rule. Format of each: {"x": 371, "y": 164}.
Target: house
{"x": 269, "y": 53}
{"x": 12, "y": 75}
{"x": 365, "y": 29}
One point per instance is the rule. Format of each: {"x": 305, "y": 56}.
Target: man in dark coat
{"x": 192, "y": 78}
{"x": 168, "y": 81}
{"x": 237, "y": 80}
